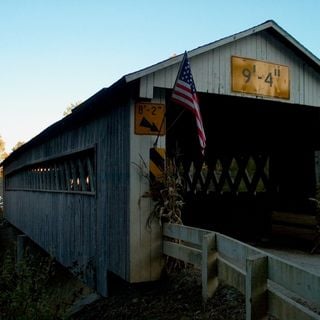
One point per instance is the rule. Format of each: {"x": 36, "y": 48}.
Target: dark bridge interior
{"x": 261, "y": 156}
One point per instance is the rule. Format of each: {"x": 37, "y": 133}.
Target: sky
{"x": 54, "y": 53}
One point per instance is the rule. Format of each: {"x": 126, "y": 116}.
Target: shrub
{"x": 24, "y": 285}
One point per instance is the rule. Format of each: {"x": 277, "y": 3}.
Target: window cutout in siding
{"x": 72, "y": 173}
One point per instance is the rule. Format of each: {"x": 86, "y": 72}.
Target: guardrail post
{"x": 256, "y": 287}
{"x": 209, "y": 271}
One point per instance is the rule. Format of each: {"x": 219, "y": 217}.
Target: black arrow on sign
{"x": 146, "y": 124}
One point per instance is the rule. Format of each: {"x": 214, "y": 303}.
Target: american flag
{"x": 184, "y": 93}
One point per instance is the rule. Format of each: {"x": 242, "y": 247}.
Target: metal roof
{"x": 269, "y": 26}
{"x": 83, "y": 112}
{"x": 91, "y": 107}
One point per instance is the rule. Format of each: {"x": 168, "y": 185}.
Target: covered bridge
{"x": 76, "y": 188}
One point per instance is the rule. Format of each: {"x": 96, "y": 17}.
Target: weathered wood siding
{"x": 145, "y": 243}
{"x": 62, "y": 224}
{"x": 113, "y": 204}
{"x": 212, "y": 69}
{"x": 89, "y": 229}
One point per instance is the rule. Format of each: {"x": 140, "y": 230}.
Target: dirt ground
{"x": 177, "y": 296}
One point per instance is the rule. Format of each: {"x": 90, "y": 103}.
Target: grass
{"x": 37, "y": 286}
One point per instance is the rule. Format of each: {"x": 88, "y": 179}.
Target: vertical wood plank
{"x": 82, "y": 176}
{"x": 34, "y": 178}
{"x": 63, "y": 183}
{"x": 91, "y": 175}
{"x": 46, "y": 178}
{"x": 37, "y": 178}
{"x": 56, "y": 178}
{"x": 74, "y": 175}
{"x": 41, "y": 172}
{"x": 209, "y": 269}
{"x": 67, "y": 175}
{"x": 52, "y": 177}
{"x": 256, "y": 287}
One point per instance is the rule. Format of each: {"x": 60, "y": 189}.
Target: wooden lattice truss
{"x": 241, "y": 172}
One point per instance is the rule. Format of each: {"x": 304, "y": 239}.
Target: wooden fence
{"x": 271, "y": 285}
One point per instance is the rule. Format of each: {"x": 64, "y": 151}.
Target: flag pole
{"x": 184, "y": 93}
{"x": 162, "y": 122}
{"x": 184, "y": 57}
{"x": 159, "y": 131}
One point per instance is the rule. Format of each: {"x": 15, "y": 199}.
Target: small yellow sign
{"x": 149, "y": 118}
{"x": 260, "y": 78}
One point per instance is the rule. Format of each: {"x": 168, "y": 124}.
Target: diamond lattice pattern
{"x": 229, "y": 173}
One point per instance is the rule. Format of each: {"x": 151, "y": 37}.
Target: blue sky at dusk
{"x": 57, "y": 52}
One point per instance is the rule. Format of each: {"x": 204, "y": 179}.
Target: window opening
{"x": 72, "y": 173}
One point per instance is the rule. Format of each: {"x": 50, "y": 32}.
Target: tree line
{"x": 4, "y": 154}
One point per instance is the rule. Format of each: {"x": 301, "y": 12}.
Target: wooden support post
{"x": 209, "y": 268}
{"x": 21, "y": 246}
{"x": 91, "y": 175}
{"x": 256, "y": 287}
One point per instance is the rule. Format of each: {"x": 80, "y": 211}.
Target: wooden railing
{"x": 271, "y": 285}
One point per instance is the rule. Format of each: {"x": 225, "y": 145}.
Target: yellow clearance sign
{"x": 149, "y": 118}
{"x": 260, "y": 78}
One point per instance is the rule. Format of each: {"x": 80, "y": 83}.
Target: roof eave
{"x": 270, "y": 24}
{"x": 79, "y": 112}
